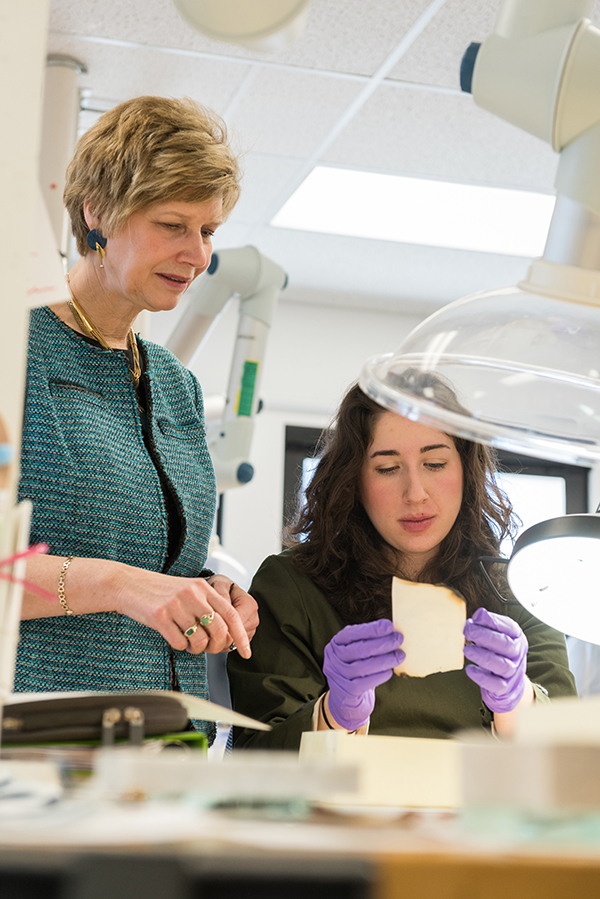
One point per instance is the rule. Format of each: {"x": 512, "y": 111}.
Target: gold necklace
{"x": 90, "y": 330}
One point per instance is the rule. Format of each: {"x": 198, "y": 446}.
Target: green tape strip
{"x": 246, "y": 392}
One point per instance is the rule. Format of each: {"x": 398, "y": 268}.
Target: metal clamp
{"x": 136, "y": 720}
{"x": 110, "y": 717}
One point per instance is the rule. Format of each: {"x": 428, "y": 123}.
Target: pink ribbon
{"x": 31, "y": 551}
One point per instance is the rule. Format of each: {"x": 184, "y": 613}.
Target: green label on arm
{"x": 246, "y": 392}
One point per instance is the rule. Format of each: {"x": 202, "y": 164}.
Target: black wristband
{"x": 328, "y": 722}
{"x": 325, "y": 718}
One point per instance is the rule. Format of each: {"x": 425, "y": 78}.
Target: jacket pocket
{"x": 191, "y": 431}
{"x": 78, "y": 392}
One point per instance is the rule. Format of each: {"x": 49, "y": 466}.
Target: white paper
{"x": 432, "y": 619}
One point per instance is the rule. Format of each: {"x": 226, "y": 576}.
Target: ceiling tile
{"x": 442, "y": 136}
{"x": 118, "y": 73}
{"x": 264, "y": 178}
{"x": 353, "y": 36}
{"x": 288, "y": 113}
{"x": 279, "y": 114}
{"x": 435, "y": 57}
{"x": 153, "y": 22}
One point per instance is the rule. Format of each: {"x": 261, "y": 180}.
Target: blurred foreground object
{"x": 241, "y": 778}
{"x": 551, "y": 768}
{"x": 14, "y": 538}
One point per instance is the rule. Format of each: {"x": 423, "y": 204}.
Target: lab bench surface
{"x": 415, "y": 869}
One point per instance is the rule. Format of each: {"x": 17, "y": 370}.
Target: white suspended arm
{"x": 540, "y": 70}
{"x": 258, "y": 281}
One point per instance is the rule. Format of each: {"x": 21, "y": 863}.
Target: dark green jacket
{"x": 284, "y": 678}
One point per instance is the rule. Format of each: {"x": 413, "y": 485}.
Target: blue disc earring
{"x": 97, "y": 242}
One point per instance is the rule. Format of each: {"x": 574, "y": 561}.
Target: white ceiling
{"x": 370, "y": 85}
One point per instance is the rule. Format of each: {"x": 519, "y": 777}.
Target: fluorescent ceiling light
{"x": 418, "y": 211}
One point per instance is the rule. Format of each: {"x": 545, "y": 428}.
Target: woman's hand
{"x": 359, "y": 658}
{"x": 498, "y": 647}
{"x": 169, "y": 605}
{"x": 176, "y": 605}
{"x": 242, "y": 602}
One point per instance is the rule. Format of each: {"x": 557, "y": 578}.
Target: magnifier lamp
{"x": 267, "y": 25}
{"x": 524, "y": 361}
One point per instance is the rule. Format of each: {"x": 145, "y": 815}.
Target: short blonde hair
{"x": 144, "y": 151}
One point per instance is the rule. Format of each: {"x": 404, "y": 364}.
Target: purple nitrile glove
{"x": 359, "y": 658}
{"x": 498, "y": 647}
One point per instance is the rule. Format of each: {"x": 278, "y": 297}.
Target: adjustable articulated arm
{"x": 258, "y": 282}
{"x": 540, "y": 70}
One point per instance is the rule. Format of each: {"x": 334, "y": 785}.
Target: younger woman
{"x": 390, "y": 497}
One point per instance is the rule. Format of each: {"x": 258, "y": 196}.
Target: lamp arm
{"x": 537, "y": 69}
{"x": 205, "y": 302}
{"x": 258, "y": 281}
{"x": 540, "y": 70}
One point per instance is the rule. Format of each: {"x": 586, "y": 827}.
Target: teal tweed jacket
{"x": 96, "y": 493}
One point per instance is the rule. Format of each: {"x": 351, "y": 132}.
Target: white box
{"x": 393, "y": 771}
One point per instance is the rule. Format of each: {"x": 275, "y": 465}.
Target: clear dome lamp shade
{"x": 522, "y": 368}
{"x": 554, "y": 571}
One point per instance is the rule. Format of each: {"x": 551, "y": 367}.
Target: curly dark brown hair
{"x": 341, "y": 551}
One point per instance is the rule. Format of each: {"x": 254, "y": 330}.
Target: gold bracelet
{"x": 61, "y": 586}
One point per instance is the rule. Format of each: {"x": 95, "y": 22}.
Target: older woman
{"x": 390, "y": 497}
{"x": 114, "y": 454}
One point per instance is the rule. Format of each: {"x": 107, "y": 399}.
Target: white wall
{"x": 313, "y": 354}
